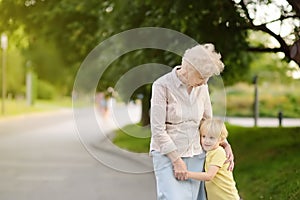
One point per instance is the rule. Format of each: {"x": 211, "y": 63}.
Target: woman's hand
{"x": 229, "y": 156}
{"x": 180, "y": 170}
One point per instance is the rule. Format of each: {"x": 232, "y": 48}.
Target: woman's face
{"x": 194, "y": 78}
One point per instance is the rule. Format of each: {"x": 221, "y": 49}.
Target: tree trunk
{"x": 145, "y": 120}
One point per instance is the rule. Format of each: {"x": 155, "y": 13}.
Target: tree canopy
{"x": 75, "y": 27}
{"x": 56, "y": 35}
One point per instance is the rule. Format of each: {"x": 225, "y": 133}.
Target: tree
{"x": 214, "y": 21}
{"x": 76, "y": 27}
{"x": 283, "y": 14}
{"x": 203, "y": 21}
{"x": 58, "y": 35}
{"x": 225, "y": 23}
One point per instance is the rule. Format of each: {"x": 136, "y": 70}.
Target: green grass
{"x": 19, "y": 107}
{"x": 267, "y": 162}
{"x": 133, "y": 138}
{"x": 267, "y": 159}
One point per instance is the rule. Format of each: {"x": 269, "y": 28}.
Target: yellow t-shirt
{"x": 222, "y": 186}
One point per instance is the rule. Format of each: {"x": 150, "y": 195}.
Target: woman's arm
{"x": 204, "y": 176}
{"x": 158, "y": 114}
{"x": 229, "y": 154}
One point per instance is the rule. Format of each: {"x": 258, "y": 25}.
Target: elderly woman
{"x": 180, "y": 101}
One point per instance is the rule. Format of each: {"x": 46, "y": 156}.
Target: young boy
{"x": 219, "y": 181}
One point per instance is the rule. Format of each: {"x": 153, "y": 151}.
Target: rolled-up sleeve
{"x": 158, "y": 116}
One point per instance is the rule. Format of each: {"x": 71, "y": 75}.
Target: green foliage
{"x": 73, "y": 28}
{"x": 15, "y": 72}
{"x": 273, "y": 97}
{"x": 214, "y": 21}
{"x": 54, "y": 35}
{"x": 57, "y": 35}
{"x": 45, "y": 90}
{"x": 269, "y": 68}
{"x": 266, "y": 159}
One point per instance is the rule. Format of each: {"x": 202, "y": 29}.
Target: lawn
{"x": 267, "y": 159}
{"x": 19, "y": 107}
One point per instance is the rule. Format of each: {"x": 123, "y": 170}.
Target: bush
{"x": 45, "y": 90}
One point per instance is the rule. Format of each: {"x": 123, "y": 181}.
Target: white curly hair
{"x": 204, "y": 59}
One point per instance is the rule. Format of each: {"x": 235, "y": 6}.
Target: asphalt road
{"x": 43, "y": 156}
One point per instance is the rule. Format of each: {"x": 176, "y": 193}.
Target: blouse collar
{"x": 175, "y": 78}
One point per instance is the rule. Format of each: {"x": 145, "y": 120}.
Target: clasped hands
{"x": 180, "y": 170}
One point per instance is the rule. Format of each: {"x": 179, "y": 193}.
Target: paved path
{"x": 42, "y": 157}
{"x": 262, "y": 122}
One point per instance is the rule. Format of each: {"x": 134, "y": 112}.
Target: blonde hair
{"x": 215, "y": 127}
{"x": 204, "y": 59}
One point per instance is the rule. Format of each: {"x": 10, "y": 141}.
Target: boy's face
{"x": 209, "y": 141}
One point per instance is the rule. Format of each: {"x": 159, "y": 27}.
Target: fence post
{"x": 256, "y": 109}
{"x": 280, "y": 116}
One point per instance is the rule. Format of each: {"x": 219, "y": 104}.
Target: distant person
{"x": 219, "y": 182}
{"x": 102, "y": 102}
{"x": 180, "y": 100}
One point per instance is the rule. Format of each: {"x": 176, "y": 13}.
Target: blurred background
{"x": 44, "y": 43}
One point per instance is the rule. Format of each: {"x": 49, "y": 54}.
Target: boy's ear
{"x": 201, "y": 122}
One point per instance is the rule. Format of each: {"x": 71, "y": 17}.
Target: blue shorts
{"x": 169, "y": 188}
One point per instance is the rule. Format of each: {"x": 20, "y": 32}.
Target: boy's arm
{"x": 204, "y": 176}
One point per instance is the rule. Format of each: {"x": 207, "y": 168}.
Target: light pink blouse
{"x": 176, "y": 115}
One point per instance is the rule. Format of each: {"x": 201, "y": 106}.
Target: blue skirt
{"x": 169, "y": 188}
